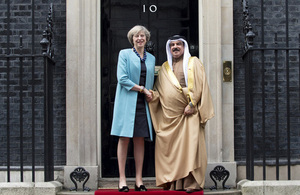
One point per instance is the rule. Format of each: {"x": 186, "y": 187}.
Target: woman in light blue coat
{"x": 131, "y": 119}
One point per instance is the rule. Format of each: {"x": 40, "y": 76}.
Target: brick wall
{"x": 239, "y": 84}
{"x": 21, "y": 24}
{"x": 274, "y": 22}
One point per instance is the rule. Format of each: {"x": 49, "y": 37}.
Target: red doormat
{"x": 150, "y": 191}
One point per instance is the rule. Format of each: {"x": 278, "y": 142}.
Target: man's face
{"x": 177, "y": 49}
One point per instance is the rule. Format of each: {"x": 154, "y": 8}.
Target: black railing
{"x": 272, "y": 91}
{"x": 32, "y": 89}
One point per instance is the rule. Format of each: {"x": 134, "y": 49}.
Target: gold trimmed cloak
{"x": 180, "y": 140}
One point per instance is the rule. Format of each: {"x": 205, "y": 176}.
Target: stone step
{"x": 223, "y": 192}
{"x": 149, "y": 182}
{"x": 66, "y": 192}
{"x": 206, "y": 192}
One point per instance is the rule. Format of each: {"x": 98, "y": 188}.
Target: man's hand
{"x": 188, "y": 110}
{"x": 148, "y": 95}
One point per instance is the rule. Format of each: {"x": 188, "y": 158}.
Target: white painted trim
{"x": 99, "y": 143}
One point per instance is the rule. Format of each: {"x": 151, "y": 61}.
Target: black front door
{"x": 163, "y": 18}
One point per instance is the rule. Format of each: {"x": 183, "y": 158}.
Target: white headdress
{"x": 186, "y": 54}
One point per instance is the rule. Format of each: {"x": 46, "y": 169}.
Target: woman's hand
{"x": 148, "y": 95}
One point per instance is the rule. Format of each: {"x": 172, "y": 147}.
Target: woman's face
{"x": 139, "y": 40}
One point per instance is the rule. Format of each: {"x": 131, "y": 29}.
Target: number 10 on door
{"x": 152, "y": 8}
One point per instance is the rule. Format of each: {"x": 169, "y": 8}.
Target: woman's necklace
{"x": 144, "y": 57}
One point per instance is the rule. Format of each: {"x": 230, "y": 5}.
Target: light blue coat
{"x": 128, "y": 74}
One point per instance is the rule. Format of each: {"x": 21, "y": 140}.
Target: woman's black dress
{"x": 141, "y": 128}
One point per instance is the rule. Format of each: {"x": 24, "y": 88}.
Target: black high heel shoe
{"x": 123, "y": 189}
{"x": 142, "y": 188}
